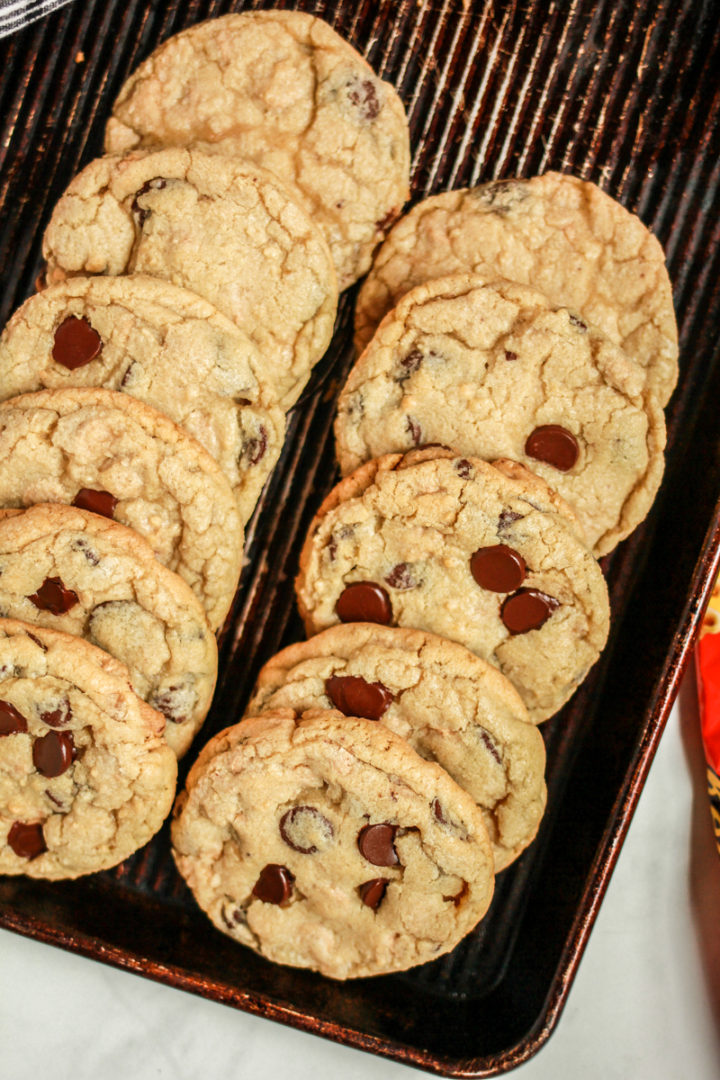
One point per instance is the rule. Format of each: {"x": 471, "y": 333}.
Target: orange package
{"x": 707, "y": 665}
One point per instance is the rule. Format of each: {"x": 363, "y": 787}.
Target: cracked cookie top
{"x": 280, "y": 88}
{"x": 481, "y": 554}
{"x": 163, "y": 345}
{"x": 219, "y": 226}
{"x": 448, "y": 704}
{"x": 323, "y": 841}
{"x": 498, "y": 370}
{"x": 85, "y": 775}
{"x": 113, "y": 455}
{"x": 564, "y": 236}
{"x": 75, "y": 571}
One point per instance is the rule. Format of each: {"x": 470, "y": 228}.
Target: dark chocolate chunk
{"x": 81, "y": 544}
{"x": 439, "y": 812}
{"x": 156, "y": 184}
{"x": 53, "y": 754}
{"x": 401, "y": 577}
{"x": 52, "y": 596}
{"x": 274, "y": 886}
{"x": 97, "y": 502}
{"x": 414, "y": 430}
{"x": 170, "y": 702}
{"x": 375, "y": 843}
{"x": 385, "y": 222}
{"x": 372, "y": 893}
{"x": 410, "y": 363}
{"x": 554, "y": 445}
{"x": 510, "y": 355}
{"x": 254, "y": 449}
{"x": 526, "y": 610}
{"x": 364, "y": 601}
{"x": 363, "y": 96}
{"x": 498, "y": 568}
{"x": 353, "y": 696}
{"x": 306, "y": 830}
{"x": 76, "y": 343}
{"x": 27, "y": 841}
{"x": 59, "y": 717}
{"x": 506, "y": 519}
{"x": 490, "y": 745}
{"x": 463, "y": 468}
{"x": 11, "y": 721}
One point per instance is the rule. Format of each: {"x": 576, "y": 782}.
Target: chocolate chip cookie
{"x": 161, "y": 344}
{"x": 498, "y": 370}
{"x": 449, "y": 705}
{"x": 219, "y": 226}
{"x": 71, "y": 570}
{"x": 564, "y": 236}
{"x": 477, "y": 553}
{"x": 325, "y": 842}
{"x": 106, "y": 452}
{"x": 282, "y": 89}
{"x": 85, "y": 775}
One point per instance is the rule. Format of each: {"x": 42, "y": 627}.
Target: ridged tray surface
{"x": 622, "y": 93}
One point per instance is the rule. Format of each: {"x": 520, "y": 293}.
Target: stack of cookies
{"x": 252, "y": 165}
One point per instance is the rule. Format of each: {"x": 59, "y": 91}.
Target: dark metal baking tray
{"x": 622, "y": 92}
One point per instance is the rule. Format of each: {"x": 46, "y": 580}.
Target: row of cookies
{"x": 188, "y": 295}
{"x": 431, "y": 573}
{"x": 256, "y": 856}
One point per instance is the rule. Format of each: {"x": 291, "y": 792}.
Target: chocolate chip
{"x": 410, "y": 364}
{"x": 490, "y": 745}
{"x": 385, "y": 222}
{"x": 527, "y": 610}
{"x": 507, "y": 517}
{"x": 498, "y": 568}
{"x": 76, "y": 343}
{"x": 510, "y": 355}
{"x": 53, "y": 754}
{"x": 364, "y": 601}
{"x": 372, "y": 893}
{"x": 305, "y": 829}
{"x": 439, "y": 812}
{"x": 37, "y": 641}
{"x": 156, "y": 184}
{"x": 171, "y": 701}
{"x": 97, "y": 502}
{"x": 414, "y": 430}
{"x": 52, "y": 596}
{"x": 128, "y": 376}
{"x": 254, "y": 449}
{"x": 274, "y": 886}
{"x": 27, "y": 841}
{"x": 364, "y": 97}
{"x": 59, "y": 717}
{"x": 11, "y": 721}
{"x": 554, "y": 445}
{"x": 375, "y": 843}
{"x": 463, "y": 468}
{"x": 577, "y": 322}
{"x": 82, "y": 545}
{"x": 353, "y": 696}
{"x": 458, "y": 897}
{"x": 401, "y": 577}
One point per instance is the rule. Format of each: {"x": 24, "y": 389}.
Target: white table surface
{"x": 645, "y": 1004}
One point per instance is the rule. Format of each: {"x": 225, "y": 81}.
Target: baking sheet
{"x": 625, "y": 94}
